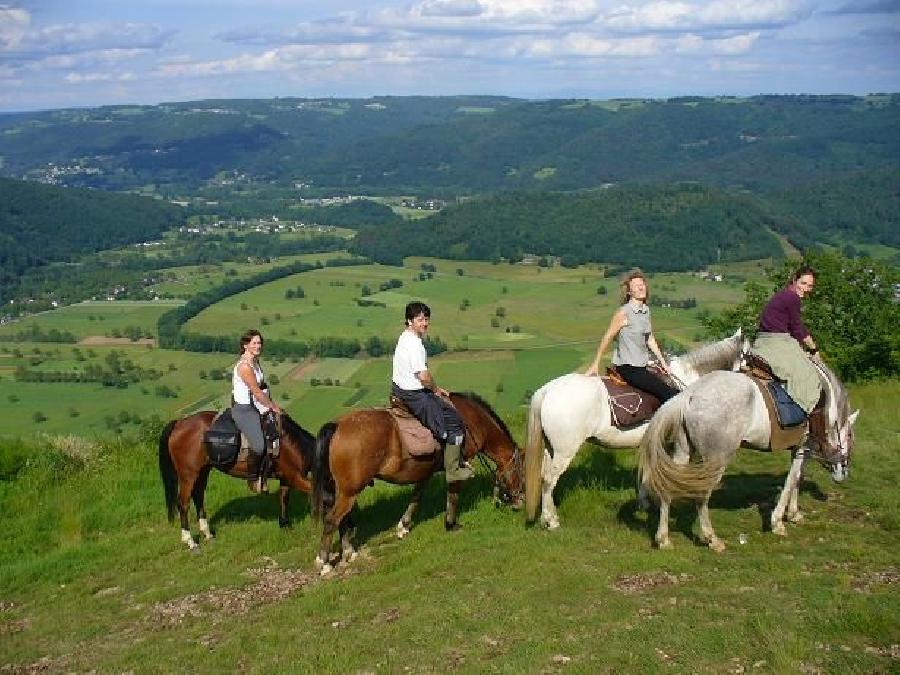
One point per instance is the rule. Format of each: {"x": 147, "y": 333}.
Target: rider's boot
{"x": 254, "y": 480}
{"x": 455, "y": 469}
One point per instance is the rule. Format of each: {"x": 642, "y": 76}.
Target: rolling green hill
{"x": 44, "y": 223}
{"x": 460, "y": 144}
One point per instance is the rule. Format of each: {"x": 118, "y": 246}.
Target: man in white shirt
{"x": 414, "y": 385}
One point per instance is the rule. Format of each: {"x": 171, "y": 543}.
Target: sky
{"x": 82, "y": 53}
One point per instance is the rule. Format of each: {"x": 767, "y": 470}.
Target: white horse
{"x": 573, "y": 408}
{"x": 708, "y": 422}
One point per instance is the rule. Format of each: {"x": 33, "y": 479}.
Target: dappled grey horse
{"x": 573, "y": 408}
{"x": 695, "y": 435}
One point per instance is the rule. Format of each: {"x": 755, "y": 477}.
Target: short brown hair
{"x": 635, "y": 273}
{"x": 247, "y": 336}
{"x": 803, "y": 271}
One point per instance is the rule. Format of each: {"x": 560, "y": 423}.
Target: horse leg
{"x": 342, "y": 506}
{"x": 284, "y": 496}
{"x": 347, "y": 531}
{"x": 198, "y": 493}
{"x": 662, "y": 530}
{"x": 406, "y": 521}
{"x": 707, "y": 534}
{"x": 793, "y": 514}
{"x": 791, "y": 483}
{"x": 450, "y": 517}
{"x": 554, "y": 467}
{"x": 185, "y": 488}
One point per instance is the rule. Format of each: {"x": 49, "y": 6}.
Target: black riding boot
{"x": 254, "y": 480}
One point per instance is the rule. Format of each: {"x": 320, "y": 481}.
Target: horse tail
{"x": 167, "y": 471}
{"x": 323, "y": 482}
{"x": 534, "y": 456}
{"x": 656, "y": 468}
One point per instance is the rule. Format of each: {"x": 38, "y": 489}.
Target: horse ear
{"x": 852, "y": 419}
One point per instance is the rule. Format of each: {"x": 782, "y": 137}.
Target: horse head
{"x": 840, "y": 421}
{"x": 492, "y": 439}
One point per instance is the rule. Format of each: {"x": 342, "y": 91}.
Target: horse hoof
{"x": 195, "y": 550}
{"x": 284, "y": 523}
{"x": 779, "y": 529}
{"x": 402, "y": 531}
{"x": 551, "y": 524}
{"x": 349, "y": 558}
{"x": 325, "y": 570}
{"x": 664, "y": 545}
{"x": 452, "y": 527}
{"x": 716, "y": 545}
{"x": 795, "y": 518}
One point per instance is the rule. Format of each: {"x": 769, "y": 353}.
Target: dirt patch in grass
{"x": 888, "y": 577}
{"x": 103, "y": 341}
{"x": 302, "y": 371}
{"x": 643, "y": 582}
{"x": 272, "y": 584}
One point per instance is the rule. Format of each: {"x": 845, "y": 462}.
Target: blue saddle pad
{"x": 789, "y": 413}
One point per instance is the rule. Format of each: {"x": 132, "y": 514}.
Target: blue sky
{"x": 56, "y": 53}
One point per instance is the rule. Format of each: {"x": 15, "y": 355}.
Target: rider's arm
{"x": 615, "y": 325}
{"x": 428, "y": 382}
{"x": 249, "y": 377}
{"x": 654, "y": 347}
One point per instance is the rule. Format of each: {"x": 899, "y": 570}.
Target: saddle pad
{"x": 629, "y": 406}
{"x": 415, "y": 438}
{"x": 780, "y": 438}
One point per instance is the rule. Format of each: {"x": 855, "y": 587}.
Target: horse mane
{"x": 714, "y": 356}
{"x": 832, "y": 386}
{"x": 475, "y": 398}
{"x": 305, "y": 440}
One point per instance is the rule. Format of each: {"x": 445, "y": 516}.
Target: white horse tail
{"x": 656, "y": 468}
{"x": 534, "y": 456}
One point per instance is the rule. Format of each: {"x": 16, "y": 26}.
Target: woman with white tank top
{"x": 251, "y": 399}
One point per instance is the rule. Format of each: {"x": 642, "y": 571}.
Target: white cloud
{"x": 674, "y": 15}
{"x": 14, "y": 23}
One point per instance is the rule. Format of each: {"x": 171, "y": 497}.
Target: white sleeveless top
{"x": 239, "y": 389}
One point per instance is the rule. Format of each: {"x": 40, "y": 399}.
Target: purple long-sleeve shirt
{"x": 782, "y": 315}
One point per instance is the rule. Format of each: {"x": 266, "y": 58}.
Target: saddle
{"x": 415, "y": 437}
{"x": 628, "y": 405}
{"x": 226, "y": 445}
{"x": 788, "y": 422}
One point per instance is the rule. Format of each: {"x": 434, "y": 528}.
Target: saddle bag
{"x": 789, "y": 413}
{"x": 223, "y": 440}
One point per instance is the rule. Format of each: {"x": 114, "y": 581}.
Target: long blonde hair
{"x": 635, "y": 273}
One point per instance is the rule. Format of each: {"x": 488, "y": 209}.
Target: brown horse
{"x": 365, "y": 444}
{"x": 184, "y": 467}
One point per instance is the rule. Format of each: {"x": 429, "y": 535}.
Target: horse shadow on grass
{"x": 737, "y": 492}
{"x": 264, "y": 507}
{"x": 382, "y": 515}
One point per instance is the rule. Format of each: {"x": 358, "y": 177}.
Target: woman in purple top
{"x": 782, "y": 337}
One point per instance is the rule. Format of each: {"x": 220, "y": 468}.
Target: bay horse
{"x": 574, "y": 408}
{"x": 184, "y": 467}
{"x": 365, "y": 444}
{"x": 704, "y": 426}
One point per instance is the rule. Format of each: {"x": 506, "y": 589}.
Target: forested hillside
{"x": 458, "y": 145}
{"x": 43, "y": 223}
{"x": 660, "y": 228}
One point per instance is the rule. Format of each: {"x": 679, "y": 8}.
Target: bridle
{"x": 502, "y": 478}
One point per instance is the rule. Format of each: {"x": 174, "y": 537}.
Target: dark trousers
{"x": 640, "y": 377}
{"x": 435, "y": 413}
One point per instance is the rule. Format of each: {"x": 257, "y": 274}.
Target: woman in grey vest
{"x": 630, "y": 328}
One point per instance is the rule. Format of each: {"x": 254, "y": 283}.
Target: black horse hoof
{"x": 284, "y": 523}
{"x": 452, "y": 527}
